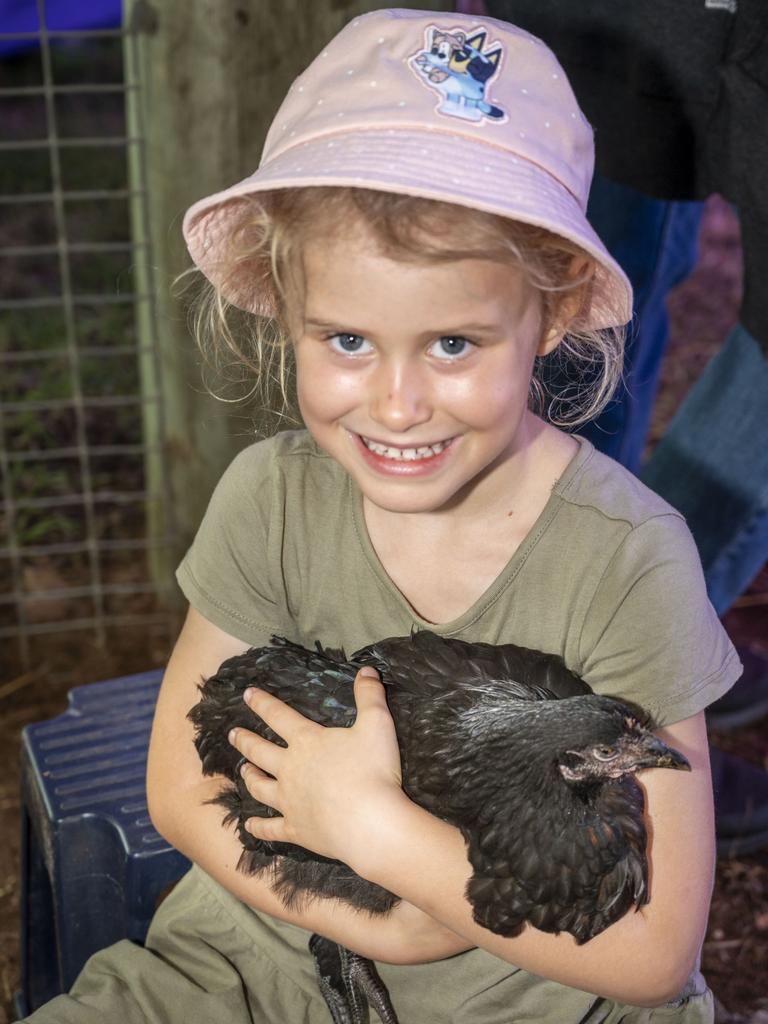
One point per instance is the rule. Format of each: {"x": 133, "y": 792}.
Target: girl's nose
{"x": 399, "y": 397}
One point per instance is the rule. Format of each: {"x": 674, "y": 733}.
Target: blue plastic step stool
{"x": 92, "y": 865}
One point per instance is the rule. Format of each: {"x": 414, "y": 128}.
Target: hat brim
{"x": 446, "y": 167}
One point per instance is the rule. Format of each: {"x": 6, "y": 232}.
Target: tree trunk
{"x": 206, "y": 79}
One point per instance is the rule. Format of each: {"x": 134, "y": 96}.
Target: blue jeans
{"x": 712, "y": 463}
{"x": 654, "y": 241}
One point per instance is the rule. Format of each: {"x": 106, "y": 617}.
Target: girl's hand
{"x": 332, "y": 787}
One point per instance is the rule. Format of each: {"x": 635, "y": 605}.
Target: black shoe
{"x": 741, "y": 805}
{"x": 747, "y": 701}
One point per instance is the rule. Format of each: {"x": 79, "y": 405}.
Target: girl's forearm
{"x": 405, "y": 935}
{"x": 625, "y": 963}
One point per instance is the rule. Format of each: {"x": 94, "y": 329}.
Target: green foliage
{"x": 38, "y": 393}
{"x": 46, "y": 527}
{"x": 25, "y": 171}
{"x": 29, "y": 330}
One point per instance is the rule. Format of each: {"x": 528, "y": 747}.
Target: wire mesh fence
{"x": 77, "y": 417}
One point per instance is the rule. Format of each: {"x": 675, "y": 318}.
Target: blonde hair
{"x": 267, "y": 231}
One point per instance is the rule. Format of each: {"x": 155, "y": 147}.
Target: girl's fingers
{"x": 251, "y": 774}
{"x": 261, "y": 786}
{"x": 256, "y": 749}
{"x": 369, "y": 692}
{"x": 281, "y": 718}
{"x": 269, "y": 829}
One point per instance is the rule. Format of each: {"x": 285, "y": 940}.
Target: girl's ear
{"x": 550, "y": 340}
{"x": 572, "y": 306}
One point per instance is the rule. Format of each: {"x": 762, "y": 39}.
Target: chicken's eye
{"x": 604, "y": 753}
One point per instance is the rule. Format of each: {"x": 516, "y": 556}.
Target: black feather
{"x": 483, "y": 731}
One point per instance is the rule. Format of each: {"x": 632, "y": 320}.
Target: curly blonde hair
{"x": 267, "y": 231}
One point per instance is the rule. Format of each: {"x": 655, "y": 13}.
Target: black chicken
{"x": 503, "y": 742}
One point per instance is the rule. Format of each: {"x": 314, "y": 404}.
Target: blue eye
{"x": 451, "y": 347}
{"x": 349, "y": 344}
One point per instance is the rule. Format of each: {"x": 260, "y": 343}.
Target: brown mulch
{"x": 736, "y": 948}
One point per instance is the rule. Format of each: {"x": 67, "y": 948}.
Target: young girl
{"x": 415, "y": 241}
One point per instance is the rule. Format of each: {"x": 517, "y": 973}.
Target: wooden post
{"x": 206, "y": 79}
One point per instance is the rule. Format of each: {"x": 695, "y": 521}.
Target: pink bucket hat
{"x": 464, "y": 109}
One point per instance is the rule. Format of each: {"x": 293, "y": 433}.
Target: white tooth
{"x": 405, "y": 454}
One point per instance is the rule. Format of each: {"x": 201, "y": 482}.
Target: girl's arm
{"x": 177, "y": 794}
{"x": 350, "y": 805}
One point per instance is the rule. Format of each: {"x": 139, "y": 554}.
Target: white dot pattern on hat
{"x": 521, "y": 201}
{"x": 401, "y": 134}
{"x": 508, "y": 178}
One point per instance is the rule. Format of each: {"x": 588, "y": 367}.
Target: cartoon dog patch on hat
{"x": 457, "y": 68}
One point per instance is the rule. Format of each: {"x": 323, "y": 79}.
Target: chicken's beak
{"x": 648, "y": 751}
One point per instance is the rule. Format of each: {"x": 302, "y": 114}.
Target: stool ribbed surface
{"x": 93, "y": 866}
{"x": 93, "y": 757}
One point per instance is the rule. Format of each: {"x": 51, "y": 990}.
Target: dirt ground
{"x": 736, "y": 948}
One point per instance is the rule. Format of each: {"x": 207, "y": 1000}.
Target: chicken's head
{"x": 615, "y": 744}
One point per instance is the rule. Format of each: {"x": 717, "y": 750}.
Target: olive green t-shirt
{"x": 608, "y": 578}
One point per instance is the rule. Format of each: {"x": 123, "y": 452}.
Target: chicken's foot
{"x": 350, "y": 984}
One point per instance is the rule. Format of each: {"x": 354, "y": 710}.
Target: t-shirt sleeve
{"x": 229, "y": 572}
{"x": 651, "y": 635}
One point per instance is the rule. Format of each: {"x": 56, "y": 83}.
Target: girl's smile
{"x": 410, "y": 460}
{"x": 415, "y": 375}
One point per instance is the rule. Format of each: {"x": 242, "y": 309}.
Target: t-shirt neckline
{"x": 507, "y": 574}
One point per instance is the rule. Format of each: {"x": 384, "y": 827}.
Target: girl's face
{"x": 415, "y": 376}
